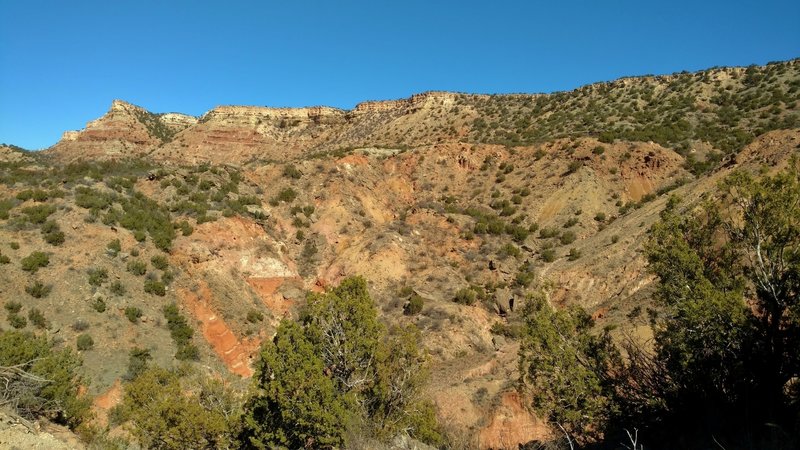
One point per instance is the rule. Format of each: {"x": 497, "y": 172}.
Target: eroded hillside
{"x": 464, "y": 202}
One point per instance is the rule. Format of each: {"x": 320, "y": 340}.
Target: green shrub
{"x": 286, "y": 195}
{"x": 181, "y": 333}
{"x": 465, "y": 296}
{"x": 133, "y": 313}
{"x": 137, "y": 267}
{"x": 52, "y": 233}
{"x": 573, "y": 254}
{"x": 37, "y": 289}
{"x": 160, "y": 262}
{"x": 39, "y": 213}
{"x": 137, "y": 363}
{"x": 99, "y": 305}
{"x": 57, "y": 399}
{"x": 567, "y": 237}
{"x": 571, "y": 222}
{"x": 155, "y": 287}
{"x": 4, "y": 259}
{"x": 511, "y": 331}
{"x": 13, "y": 307}
{"x": 600, "y": 217}
{"x": 17, "y": 321}
{"x": 548, "y": 255}
{"x": 254, "y": 316}
{"x": 290, "y": 171}
{"x": 614, "y": 239}
{"x": 548, "y": 232}
{"x": 599, "y": 150}
{"x": 573, "y": 167}
{"x": 186, "y": 229}
{"x": 37, "y": 318}
{"x": 35, "y": 261}
{"x": 524, "y": 278}
{"x": 114, "y": 247}
{"x": 84, "y": 342}
{"x": 97, "y": 276}
{"x": 414, "y": 305}
{"x": 91, "y": 199}
{"x": 117, "y": 288}
{"x": 509, "y": 250}
{"x": 14, "y": 245}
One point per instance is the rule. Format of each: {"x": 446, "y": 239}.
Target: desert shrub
{"x": 114, "y": 247}
{"x": 117, "y": 288}
{"x": 567, "y": 237}
{"x": 509, "y": 249}
{"x": 91, "y": 199}
{"x": 517, "y": 232}
{"x": 35, "y": 261}
{"x": 185, "y": 228}
{"x": 155, "y": 287}
{"x": 37, "y": 289}
{"x": 175, "y": 410}
{"x": 56, "y": 398}
{"x": 614, "y": 239}
{"x": 286, "y": 195}
{"x": 38, "y": 214}
{"x": 99, "y": 305}
{"x": 14, "y": 245}
{"x": 599, "y": 150}
{"x": 6, "y": 204}
{"x": 290, "y": 171}
{"x": 573, "y": 254}
{"x": 571, "y": 222}
{"x": 414, "y": 305}
{"x": 465, "y": 296}
{"x": 573, "y": 167}
{"x": 524, "y": 277}
{"x": 17, "y": 321}
{"x": 315, "y": 365}
{"x": 4, "y": 259}
{"x": 600, "y": 217}
{"x": 37, "y": 318}
{"x": 167, "y": 277}
{"x": 160, "y": 262}
{"x": 548, "y": 255}
{"x": 13, "y": 307}
{"x": 133, "y": 313}
{"x": 560, "y": 358}
{"x": 512, "y": 331}
{"x": 143, "y": 214}
{"x": 84, "y": 342}
{"x": 97, "y": 276}
{"x": 548, "y": 232}
{"x": 137, "y": 363}
{"x": 52, "y": 233}
{"x": 137, "y": 267}
{"x": 255, "y": 316}
{"x": 181, "y": 333}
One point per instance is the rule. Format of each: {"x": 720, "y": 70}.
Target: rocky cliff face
{"x": 240, "y": 134}
{"x": 126, "y": 130}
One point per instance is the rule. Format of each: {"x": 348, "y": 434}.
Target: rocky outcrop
{"x": 313, "y": 113}
{"x": 416, "y": 101}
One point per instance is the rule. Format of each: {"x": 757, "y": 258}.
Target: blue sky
{"x": 62, "y": 63}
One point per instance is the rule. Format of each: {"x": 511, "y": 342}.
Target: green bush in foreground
{"x": 311, "y": 377}
{"x": 57, "y": 399}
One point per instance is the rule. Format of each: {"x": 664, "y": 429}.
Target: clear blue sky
{"x": 62, "y": 62}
